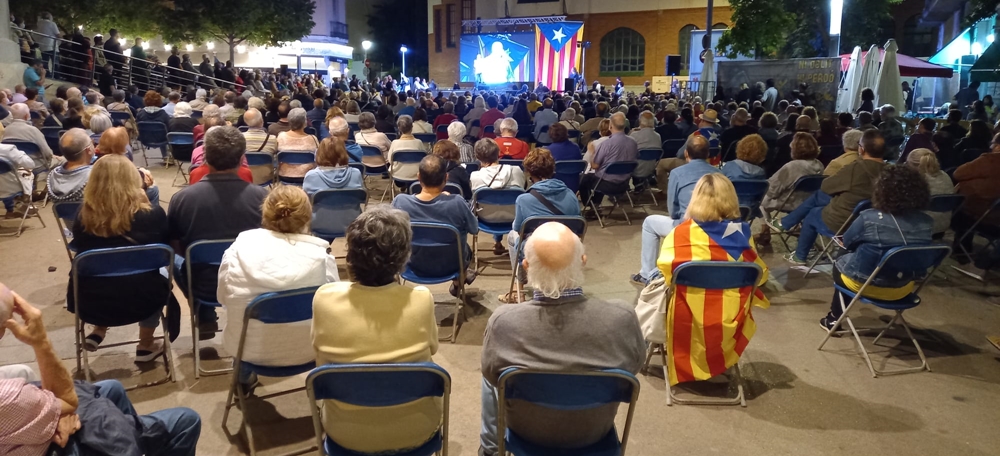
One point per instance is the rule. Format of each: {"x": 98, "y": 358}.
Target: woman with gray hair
{"x": 368, "y": 136}
{"x": 926, "y": 163}
{"x": 353, "y": 112}
{"x": 456, "y": 134}
{"x": 296, "y": 139}
{"x": 474, "y": 114}
{"x": 406, "y": 142}
{"x": 182, "y": 122}
{"x": 568, "y": 119}
{"x": 376, "y": 320}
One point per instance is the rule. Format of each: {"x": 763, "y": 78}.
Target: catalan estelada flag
{"x": 707, "y": 330}
{"x": 556, "y": 51}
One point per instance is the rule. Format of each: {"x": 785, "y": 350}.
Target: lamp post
{"x": 366, "y": 45}
{"x": 402, "y": 50}
{"x": 836, "y": 18}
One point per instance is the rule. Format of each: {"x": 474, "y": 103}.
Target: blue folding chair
{"x": 512, "y": 162}
{"x": 717, "y": 276}
{"x": 120, "y": 262}
{"x": 243, "y": 129}
{"x": 201, "y": 255}
{"x": 7, "y": 167}
{"x": 334, "y": 210}
{"x": 576, "y": 224}
{"x": 317, "y": 126}
{"x": 441, "y": 130}
{"x": 292, "y": 157}
{"x": 750, "y": 194}
{"x": 196, "y": 114}
{"x": 525, "y": 132}
{"x": 391, "y": 136}
{"x": 574, "y": 135}
{"x": 595, "y": 135}
{"x": 32, "y": 150}
{"x": 471, "y": 167}
{"x": 494, "y": 209}
{"x": 152, "y": 135}
{"x": 120, "y": 118}
{"x": 646, "y": 169}
{"x": 990, "y": 235}
{"x": 52, "y": 135}
{"x": 262, "y": 167}
{"x": 672, "y": 146}
{"x": 270, "y": 308}
{"x": 570, "y": 172}
{"x": 374, "y": 152}
{"x": 426, "y": 138}
{"x": 803, "y": 185}
{"x": 569, "y": 392}
{"x": 404, "y": 157}
{"x": 914, "y": 263}
{"x": 438, "y": 256}
{"x": 311, "y": 131}
{"x": 354, "y": 127}
{"x": 65, "y": 214}
{"x": 449, "y": 187}
{"x": 489, "y": 131}
{"x": 824, "y": 231}
{"x": 379, "y": 385}
{"x": 544, "y": 130}
{"x": 181, "y": 149}
{"x": 622, "y": 168}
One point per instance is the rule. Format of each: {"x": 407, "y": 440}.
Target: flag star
{"x": 558, "y": 35}
{"x": 733, "y": 227}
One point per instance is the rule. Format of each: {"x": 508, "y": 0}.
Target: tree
{"x": 758, "y": 28}
{"x": 236, "y": 22}
{"x": 979, "y": 10}
{"x": 397, "y": 22}
{"x": 96, "y": 16}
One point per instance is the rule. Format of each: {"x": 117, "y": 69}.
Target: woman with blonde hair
{"x": 805, "y": 150}
{"x": 605, "y": 128}
{"x": 279, "y": 256}
{"x": 116, "y": 213}
{"x": 116, "y": 142}
{"x": 926, "y": 163}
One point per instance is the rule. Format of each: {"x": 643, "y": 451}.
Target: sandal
{"x": 92, "y": 342}
{"x": 511, "y": 298}
{"x": 145, "y": 356}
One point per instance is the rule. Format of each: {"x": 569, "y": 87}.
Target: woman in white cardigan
{"x": 277, "y": 257}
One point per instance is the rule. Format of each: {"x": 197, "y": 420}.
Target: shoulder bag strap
{"x": 495, "y": 176}
{"x": 266, "y": 138}
{"x": 545, "y": 202}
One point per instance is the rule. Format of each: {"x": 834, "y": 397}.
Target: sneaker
{"x": 638, "y": 280}
{"x": 145, "y": 356}
{"x": 791, "y": 258}
{"x": 498, "y": 249}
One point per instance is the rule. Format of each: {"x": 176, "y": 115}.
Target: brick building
{"x": 628, "y": 38}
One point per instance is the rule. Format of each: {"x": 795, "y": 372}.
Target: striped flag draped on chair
{"x": 707, "y": 330}
{"x": 556, "y": 51}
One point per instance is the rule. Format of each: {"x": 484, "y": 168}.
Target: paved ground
{"x": 800, "y": 400}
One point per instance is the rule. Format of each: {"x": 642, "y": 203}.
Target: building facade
{"x": 630, "y": 38}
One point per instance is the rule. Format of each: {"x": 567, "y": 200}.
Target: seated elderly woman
{"x": 296, "y": 139}
{"x": 377, "y": 320}
{"x": 406, "y": 142}
{"x": 332, "y": 172}
{"x": 562, "y": 148}
{"x": 153, "y": 112}
{"x": 211, "y": 112}
{"x": 116, "y": 213}
{"x": 568, "y": 119}
{"x": 278, "y": 256}
{"x": 456, "y": 135}
{"x": 895, "y": 219}
{"x": 182, "y": 122}
{"x": 457, "y": 174}
{"x": 750, "y": 153}
{"x": 99, "y": 123}
{"x": 804, "y": 163}
{"x": 420, "y": 124}
{"x": 117, "y": 102}
{"x": 926, "y": 163}
{"x": 369, "y": 137}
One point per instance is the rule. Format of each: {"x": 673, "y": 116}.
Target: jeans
{"x": 810, "y": 215}
{"x": 46, "y": 56}
{"x": 152, "y": 322}
{"x": 205, "y": 313}
{"x": 153, "y": 193}
{"x": 488, "y": 431}
{"x": 183, "y": 424}
{"x": 654, "y": 229}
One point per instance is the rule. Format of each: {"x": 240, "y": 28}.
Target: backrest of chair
{"x": 121, "y": 116}
{"x": 180, "y": 138}
{"x": 67, "y": 211}
{"x": 377, "y": 385}
{"x": 569, "y": 172}
{"x": 428, "y": 138}
{"x": 296, "y": 157}
{"x": 496, "y": 197}
{"x": 808, "y": 184}
{"x": 576, "y": 224}
{"x": 207, "y": 252}
{"x": 29, "y": 148}
{"x": 717, "y": 275}
{"x": 122, "y": 261}
{"x": 437, "y": 250}
{"x": 244, "y": 129}
{"x": 454, "y": 189}
{"x": 196, "y": 114}
{"x": 512, "y": 162}
{"x": 152, "y": 133}
{"x": 573, "y": 134}
{"x": 914, "y": 263}
{"x": 282, "y": 307}
{"x": 335, "y": 209}
{"x": 310, "y": 131}
{"x": 391, "y": 136}
{"x": 489, "y": 130}
{"x": 472, "y": 167}
{"x": 671, "y": 146}
{"x": 357, "y": 166}
{"x": 5, "y": 167}
{"x": 620, "y": 168}
{"x": 544, "y": 129}
{"x": 946, "y": 203}
{"x": 570, "y": 391}
{"x": 408, "y": 156}
{"x": 828, "y": 153}
{"x": 751, "y": 189}
{"x": 370, "y": 151}
{"x": 261, "y": 166}
{"x": 442, "y": 129}
{"x": 650, "y": 154}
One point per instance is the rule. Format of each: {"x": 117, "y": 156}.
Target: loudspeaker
{"x": 673, "y": 65}
{"x": 284, "y": 69}
{"x": 569, "y": 85}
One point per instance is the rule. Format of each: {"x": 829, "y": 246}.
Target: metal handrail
{"x": 123, "y": 71}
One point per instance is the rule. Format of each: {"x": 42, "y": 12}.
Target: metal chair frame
{"x": 972, "y": 232}
{"x": 66, "y": 211}
{"x": 293, "y": 157}
{"x": 629, "y": 167}
{"x": 408, "y": 276}
{"x": 804, "y": 184}
{"x": 653, "y": 155}
{"x": 171, "y": 136}
{"x": 8, "y": 167}
{"x": 260, "y": 159}
{"x": 403, "y": 157}
{"x": 146, "y": 144}
{"x": 332, "y": 193}
{"x": 756, "y": 189}
{"x": 488, "y": 227}
{"x": 193, "y": 303}
{"x": 825, "y": 251}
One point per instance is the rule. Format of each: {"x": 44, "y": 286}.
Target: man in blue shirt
{"x": 706, "y": 129}
{"x": 34, "y": 78}
{"x": 679, "y": 189}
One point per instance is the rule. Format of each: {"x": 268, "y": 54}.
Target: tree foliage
{"x": 97, "y": 16}
{"x": 758, "y": 28}
{"x": 980, "y": 9}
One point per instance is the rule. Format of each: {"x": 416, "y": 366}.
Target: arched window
{"x": 623, "y": 53}
{"x": 684, "y": 44}
{"x": 720, "y": 26}
{"x": 917, "y": 41}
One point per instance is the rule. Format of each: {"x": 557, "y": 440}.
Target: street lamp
{"x": 402, "y": 50}
{"x": 836, "y": 19}
{"x": 366, "y": 45}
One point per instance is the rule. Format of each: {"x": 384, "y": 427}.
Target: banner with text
{"x": 821, "y": 75}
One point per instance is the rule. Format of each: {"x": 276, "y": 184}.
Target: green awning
{"x": 987, "y": 68}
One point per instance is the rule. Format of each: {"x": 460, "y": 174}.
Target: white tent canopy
{"x": 708, "y": 82}
{"x": 888, "y": 89}
{"x": 851, "y": 85}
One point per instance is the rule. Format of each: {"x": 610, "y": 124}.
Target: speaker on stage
{"x": 284, "y": 69}
{"x": 673, "y": 65}
{"x": 569, "y": 85}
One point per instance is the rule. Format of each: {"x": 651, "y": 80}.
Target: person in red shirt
{"x": 445, "y": 118}
{"x": 490, "y": 117}
{"x": 201, "y": 171}
{"x": 511, "y": 147}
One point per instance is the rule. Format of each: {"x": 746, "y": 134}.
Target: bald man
{"x": 258, "y": 139}
{"x": 560, "y": 329}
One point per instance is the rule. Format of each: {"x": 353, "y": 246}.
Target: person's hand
{"x": 147, "y": 177}
{"x": 32, "y": 332}
{"x": 68, "y": 425}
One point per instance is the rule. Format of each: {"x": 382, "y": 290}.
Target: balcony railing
{"x": 338, "y": 30}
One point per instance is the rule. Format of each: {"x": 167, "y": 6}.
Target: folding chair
{"x": 361, "y": 168}
{"x": 489, "y": 131}
{"x": 121, "y": 262}
{"x": 499, "y": 207}
{"x": 196, "y": 114}
{"x": 471, "y": 167}
{"x": 973, "y": 231}
{"x": 441, "y": 132}
{"x": 576, "y": 224}
{"x": 269, "y": 308}
{"x": 574, "y": 135}
{"x": 404, "y": 157}
{"x": 622, "y": 168}
{"x": 379, "y": 385}
{"x": 32, "y": 150}
{"x": 512, "y": 162}
{"x": 916, "y": 263}
{"x": 334, "y": 210}
{"x": 525, "y": 132}
{"x": 750, "y": 194}
{"x": 730, "y": 152}
{"x": 805, "y": 184}
{"x": 243, "y": 129}
{"x": 52, "y": 135}
{"x": 65, "y": 214}
{"x": 426, "y": 138}
{"x": 544, "y": 130}
{"x": 5, "y": 168}
{"x": 294, "y": 157}
{"x": 671, "y": 146}
{"x": 317, "y": 127}
{"x": 646, "y": 168}
{"x": 354, "y": 127}
{"x": 824, "y": 231}
{"x": 717, "y": 276}
{"x": 449, "y": 187}
{"x": 152, "y": 135}
{"x": 203, "y": 254}
{"x": 569, "y": 391}
{"x": 181, "y": 149}
{"x": 120, "y": 118}
{"x": 828, "y": 153}
{"x": 569, "y": 172}
{"x": 391, "y": 136}
{"x": 262, "y": 167}
{"x": 437, "y": 256}
{"x": 372, "y": 151}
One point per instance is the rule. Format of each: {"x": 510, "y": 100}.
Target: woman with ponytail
{"x": 926, "y": 163}
{"x": 279, "y": 256}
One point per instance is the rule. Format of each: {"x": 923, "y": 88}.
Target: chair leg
{"x": 920, "y": 351}
{"x": 626, "y": 212}
{"x": 653, "y": 195}
{"x": 822, "y": 253}
{"x": 886, "y": 328}
{"x": 79, "y": 342}
{"x": 475, "y": 251}
{"x": 194, "y": 340}
{"x": 168, "y": 355}
{"x": 597, "y": 213}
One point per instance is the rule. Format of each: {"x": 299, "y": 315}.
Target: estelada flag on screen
{"x": 707, "y": 330}
{"x": 556, "y": 51}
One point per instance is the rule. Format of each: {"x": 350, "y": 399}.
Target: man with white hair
{"x": 646, "y": 136}
{"x": 258, "y": 139}
{"x": 199, "y": 102}
{"x": 409, "y": 109}
{"x": 852, "y": 141}
{"x": 21, "y": 129}
{"x": 560, "y": 329}
{"x": 510, "y": 146}
{"x": 19, "y": 181}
